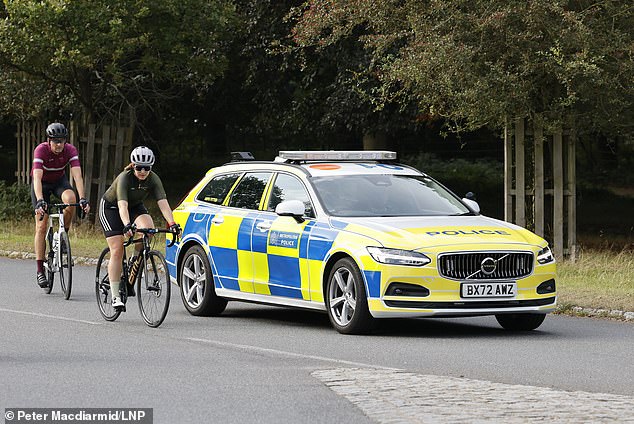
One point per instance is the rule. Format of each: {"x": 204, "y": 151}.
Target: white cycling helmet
{"x": 142, "y": 156}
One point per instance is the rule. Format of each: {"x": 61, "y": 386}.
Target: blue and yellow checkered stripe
{"x": 247, "y": 259}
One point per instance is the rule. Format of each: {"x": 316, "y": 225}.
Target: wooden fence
{"x": 103, "y": 152}
{"x": 541, "y": 197}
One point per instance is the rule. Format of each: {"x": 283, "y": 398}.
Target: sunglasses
{"x": 146, "y": 168}
{"x": 58, "y": 140}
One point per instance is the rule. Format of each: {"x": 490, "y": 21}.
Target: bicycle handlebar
{"x": 151, "y": 231}
{"x": 59, "y": 206}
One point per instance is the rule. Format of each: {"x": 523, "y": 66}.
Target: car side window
{"x": 217, "y": 189}
{"x": 287, "y": 187}
{"x": 248, "y": 193}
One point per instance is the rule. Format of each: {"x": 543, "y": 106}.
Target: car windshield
{"x": 386, "y": 195}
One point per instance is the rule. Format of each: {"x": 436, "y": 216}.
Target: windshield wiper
{"x": 463, "y": 214}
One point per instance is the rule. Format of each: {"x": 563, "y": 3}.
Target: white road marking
{"x": 257, "y": 349}
{"x": 37, "y": 314}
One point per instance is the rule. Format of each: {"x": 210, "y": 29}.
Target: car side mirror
{"x": 470, "y": 201}
{"x": 294, "y": 208}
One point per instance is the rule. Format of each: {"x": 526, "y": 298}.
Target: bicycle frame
{"x": 59, "y": 215}
{"x": 147, "y": 247}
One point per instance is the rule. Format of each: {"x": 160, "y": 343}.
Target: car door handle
{"x": 263, "y": 226}
{"x": 218, "y": 219}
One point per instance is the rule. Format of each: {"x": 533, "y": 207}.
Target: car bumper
{"x": 380, "y": 308}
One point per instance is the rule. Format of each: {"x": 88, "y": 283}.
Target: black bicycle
{"x": 59, "y": 259}
{"x": 152, "y": 280}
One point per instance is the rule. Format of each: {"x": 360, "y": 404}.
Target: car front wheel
{"x": 520, "y": 322}
{"x": 346, "y": 301}
{"x": 196, "y": 285}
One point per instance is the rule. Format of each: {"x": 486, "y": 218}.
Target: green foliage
{"x": 276, "y": 96}
{"x": 474, "y": 63}
{"x": 111, "y": 57}
{"x": 15, "y": 201}
{"x": 483, "y": 177}
{"x": 481, "y": 174}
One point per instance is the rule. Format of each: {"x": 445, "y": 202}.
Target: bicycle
{"x": 152, "y": 280}
{"x": 58, "y": 256}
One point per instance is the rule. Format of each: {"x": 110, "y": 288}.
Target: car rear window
{"x": 217, "y": 189}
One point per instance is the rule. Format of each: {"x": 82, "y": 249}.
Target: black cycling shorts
{"x": 56, "y": 187}
{"x": 111, "y": 221}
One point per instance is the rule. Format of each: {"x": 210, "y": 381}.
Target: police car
{"x": 357, "y": 235}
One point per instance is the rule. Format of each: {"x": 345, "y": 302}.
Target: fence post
{"x": 572, "y": 196}
{"x": 90, "y": 154}
{"x": 520, "y": 177}
{"x": 103, "y": 166}
{"x": 538, "y": 189}
{"x": 508, "y": 174}
{"x": 558, "y": 193}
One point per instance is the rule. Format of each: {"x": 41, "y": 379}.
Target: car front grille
{"x": 485, "y": 265}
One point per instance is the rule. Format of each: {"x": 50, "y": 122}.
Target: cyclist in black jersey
{"x": 122, "y": 210}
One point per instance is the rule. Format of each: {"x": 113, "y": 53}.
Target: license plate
{"x": 504, "y": 289}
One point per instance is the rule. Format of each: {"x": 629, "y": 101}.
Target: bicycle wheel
{"x": 153, "y": 288}
{"x": 50, "y": 258}
{"x": 102, "y": 288}
{"x": 66, "y": 268}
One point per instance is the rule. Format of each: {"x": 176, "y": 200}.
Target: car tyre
{"x": 196, "y": 285}
{"x": 520, "y": 322}
{"x": 346, "y": 300}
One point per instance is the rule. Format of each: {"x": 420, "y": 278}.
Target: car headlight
{"x": 545, "y": 256}
{"x": 398, "y": 256}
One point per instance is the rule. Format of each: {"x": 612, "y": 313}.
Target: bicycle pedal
{"x": 119, "y": 308}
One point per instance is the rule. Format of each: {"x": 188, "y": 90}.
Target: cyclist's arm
{"x": 123, "y": 211}
{"x": 122, "y": 198}
{"x": 37, "y": 183}
{"x": 75, "y": 171}
{"x": 164, "y": 206}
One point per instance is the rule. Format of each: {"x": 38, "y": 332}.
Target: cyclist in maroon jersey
{"x": 48, "y": 176}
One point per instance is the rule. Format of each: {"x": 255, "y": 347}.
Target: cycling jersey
{"x": 53, "y": 164}
{"x": 129, "y": 188}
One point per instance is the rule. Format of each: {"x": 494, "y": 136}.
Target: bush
{"x": 15, "y": 201}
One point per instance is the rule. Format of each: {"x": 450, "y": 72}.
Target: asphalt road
{"x": 274, "y": 365}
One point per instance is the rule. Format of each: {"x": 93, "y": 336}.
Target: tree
{"x": 109, "y": 58}
{"x": 288, "y": 97}
{"x": 475, "y": 63}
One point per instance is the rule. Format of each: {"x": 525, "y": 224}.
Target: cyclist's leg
{"x": 141, "y": 217}
{"x": 65, "y": 192}
{"x": 39, "y": 239}
{"x": 113, "y": 230}
{"x": 144, "y": 221}
{"x": 115, "y": 243}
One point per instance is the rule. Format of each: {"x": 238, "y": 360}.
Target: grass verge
{"x": 85, "y": 239}
{"x": 598, "y": 279}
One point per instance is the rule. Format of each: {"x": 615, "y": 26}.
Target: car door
{"x": 279, "y": 268}
{"x": 230, "y": 232}
{"x": 229, "y": 236}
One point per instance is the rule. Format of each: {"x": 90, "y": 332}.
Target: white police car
{"x": 357, "y": 235}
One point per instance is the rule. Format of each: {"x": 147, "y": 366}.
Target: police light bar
{"x": 337, "y": 155}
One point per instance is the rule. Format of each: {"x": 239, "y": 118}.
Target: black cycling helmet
{"x": 56, "y": 130}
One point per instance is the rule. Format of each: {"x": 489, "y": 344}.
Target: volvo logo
{"x": 488, "y": 266}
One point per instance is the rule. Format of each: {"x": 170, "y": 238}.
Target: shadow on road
{"x": 413, "y": 327}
